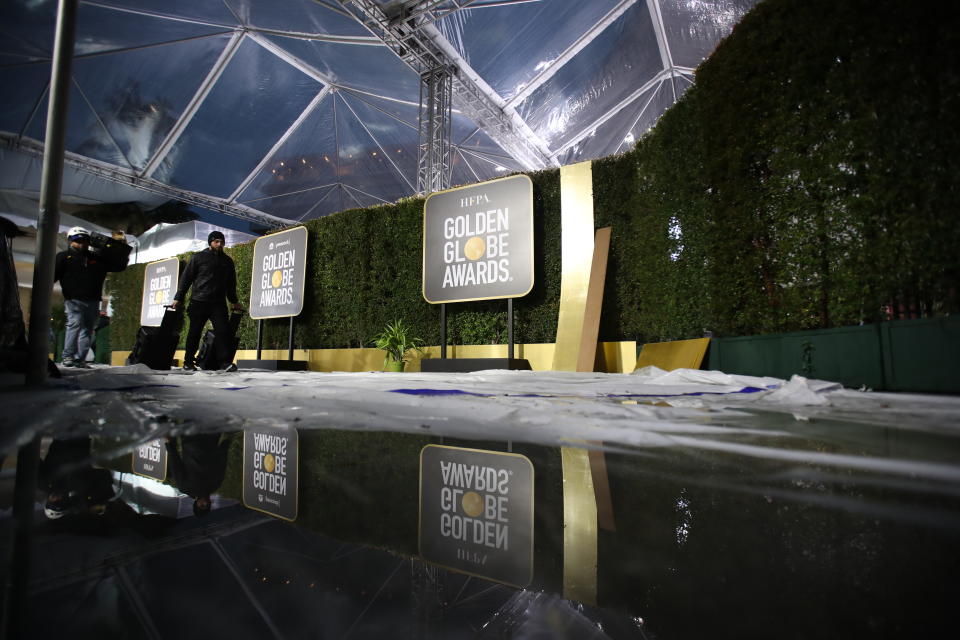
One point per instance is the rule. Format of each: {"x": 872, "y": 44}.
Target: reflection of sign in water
{"x": 160, "y": 280}
{"x": 150, "y": 460}
{"x": 279, "y": 274}
{"x": 476, "y": 512}
{"x": 270, "y": 471}
{"x": 478, "y": 241}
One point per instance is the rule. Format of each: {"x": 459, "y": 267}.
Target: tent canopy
{"x": 285, "y": 110}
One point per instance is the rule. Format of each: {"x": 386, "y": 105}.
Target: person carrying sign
{"x": 213, "y": 277}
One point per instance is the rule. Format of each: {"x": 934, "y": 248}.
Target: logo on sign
{"x": 276, "y": 274}
{"x": 270, "y": 466}
{"x": 477, "y": 245}
{"x": 475, "y": 505}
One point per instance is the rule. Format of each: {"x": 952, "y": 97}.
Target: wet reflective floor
{"x": 657, "y": 517}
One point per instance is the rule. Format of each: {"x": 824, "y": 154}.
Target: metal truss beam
{"x": 229, "y": 26}
{"x": 434, "y": 155}
{"x": 571, "y": 51}
{"x": 421, "y": 46}
{"x": 128, "y": 177}
{"x": 229, "y": 51}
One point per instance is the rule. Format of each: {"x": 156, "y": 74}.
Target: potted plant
{"x": 396, "y": 340}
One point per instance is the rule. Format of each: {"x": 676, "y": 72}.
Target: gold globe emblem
{"x": 276, "y": 278}
{"x": 474, "y": 248}
{"x": 158, "y": 297}
{"x": 269, "y": 463}
{"x": 472, "y": 504}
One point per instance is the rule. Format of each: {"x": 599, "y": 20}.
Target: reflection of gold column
{"x": 576, "y": 251}
{"x": 579, "y": 527}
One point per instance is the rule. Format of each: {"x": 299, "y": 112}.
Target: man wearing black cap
{"x": 213, "y": 277}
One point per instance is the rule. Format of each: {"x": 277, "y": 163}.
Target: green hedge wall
{"x": 807, "y": 180}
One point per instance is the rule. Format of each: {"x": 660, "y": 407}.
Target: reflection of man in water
{"x": 73, "y": 485}
{"x": 198, "y": 468}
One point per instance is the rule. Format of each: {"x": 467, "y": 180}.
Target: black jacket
{"x": 212, "y": 275}
{"x": 81, "y": 273}
{"x": 199, "y": 469}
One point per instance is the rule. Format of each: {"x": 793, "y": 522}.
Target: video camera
{"x": 116, "y": 249}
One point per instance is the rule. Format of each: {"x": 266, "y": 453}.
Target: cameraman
{"x": 81, "y": 274}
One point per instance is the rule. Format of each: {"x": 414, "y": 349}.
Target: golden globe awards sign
{"x": 476, "y": 512}
{"x": 150, "y": 460}
{"x": 279, "y": 274}
{"x": 160, "y": 280}
{"x": 270, "y": 461}
{"x": 478, "y": 241}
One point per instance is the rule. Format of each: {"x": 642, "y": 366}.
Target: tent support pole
{"x": 48, "y": 226}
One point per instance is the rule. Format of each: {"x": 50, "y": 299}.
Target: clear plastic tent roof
{"x": 293, "y": 109}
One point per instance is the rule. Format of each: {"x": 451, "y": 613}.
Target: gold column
{"x": 576, "y": 250}
{"x": 579, "y": 527}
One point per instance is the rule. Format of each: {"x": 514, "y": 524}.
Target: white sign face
{"x": 160, "y": 280}
{"x": 279, "y": 274}
{"x": 478, "y": 241}
{"x": 476, "y": 512}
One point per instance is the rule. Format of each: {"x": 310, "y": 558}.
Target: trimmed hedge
{"x": 807, "y": 180}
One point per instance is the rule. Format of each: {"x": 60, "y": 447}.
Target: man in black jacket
{"x": 81, "y": 274}
{"x": 214, "y": 278}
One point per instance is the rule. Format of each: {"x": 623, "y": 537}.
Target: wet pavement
{"x": 782, "y": 511}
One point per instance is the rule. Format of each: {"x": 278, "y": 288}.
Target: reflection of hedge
{"x": 807, "y": 180}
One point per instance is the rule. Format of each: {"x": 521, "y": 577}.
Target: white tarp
{"x": 165, "y": 240}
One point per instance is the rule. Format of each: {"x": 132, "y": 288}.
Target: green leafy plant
{"x": 396, "y": 340}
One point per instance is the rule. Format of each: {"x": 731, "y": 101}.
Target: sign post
{"x": 276, "y": 290}
{"x": 476, "y": 512}
{"x": 478, "y": 245}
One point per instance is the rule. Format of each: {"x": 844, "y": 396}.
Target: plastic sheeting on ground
{"x": 744, "y": 415}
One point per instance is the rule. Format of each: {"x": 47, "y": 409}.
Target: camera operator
{"x": 81, "y": 273}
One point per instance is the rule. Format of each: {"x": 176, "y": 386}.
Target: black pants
{"x": 200, "y": 311}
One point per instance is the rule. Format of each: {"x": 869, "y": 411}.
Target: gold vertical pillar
{"x": 579, "y": 527}
{"x": 576, "y": 251}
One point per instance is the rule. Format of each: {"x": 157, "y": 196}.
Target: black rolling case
{"x": 155, "y": 346}
{"x": 207, "y": 354}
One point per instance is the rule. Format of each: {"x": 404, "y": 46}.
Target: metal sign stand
{"x": 462, "y": 365}
{"x": 276, "y": 365}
